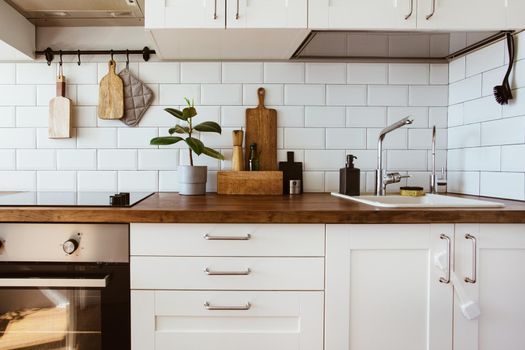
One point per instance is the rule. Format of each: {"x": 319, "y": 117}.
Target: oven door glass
{"x": 50, "y": 318}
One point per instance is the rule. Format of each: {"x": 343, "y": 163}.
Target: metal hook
{"x": 127, "y": 59}
{"x": 79, "y": 62}
{"x": 60, "y": 62}
{"x": 60, "y": 68}
{"x": 111, "y": 52}
{"x": 49, "y": 55}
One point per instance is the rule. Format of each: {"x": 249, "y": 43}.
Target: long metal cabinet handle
{"x": 446, "y": 279}
{"x": 227, "y": 273}
{"x": 245, "y": 307}
{"x": 472, "y": 278}
{"x": 237, "y": 14}
{"x": 433, "y": 10}
{"x": 215, "y": 10}
{"x": 54, "y": 282}
{"x": 227, "y": 238}
{"x": 411, "y": 10}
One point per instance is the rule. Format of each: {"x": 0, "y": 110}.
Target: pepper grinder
{"x": 237, "y": 158}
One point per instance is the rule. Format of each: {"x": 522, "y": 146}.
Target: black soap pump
{"x": 349, "y": 178}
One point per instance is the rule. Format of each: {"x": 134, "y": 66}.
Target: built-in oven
{"x": 64, "y": 286}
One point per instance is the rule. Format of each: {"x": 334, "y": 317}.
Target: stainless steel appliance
{"x": 64, "y": 286}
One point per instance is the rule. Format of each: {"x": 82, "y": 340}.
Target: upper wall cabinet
{"x": 462, "y": 15}
{"x": 416, "y": 14}
{"x": 239, "y": 14}
{"x": 358, "y": 14}
{"x": 267, "y": 14}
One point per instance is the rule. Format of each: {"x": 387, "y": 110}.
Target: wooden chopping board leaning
{"x": 59, "y": 124}
{"x": 261, "y": 129}
{"x": 111, "y": 95}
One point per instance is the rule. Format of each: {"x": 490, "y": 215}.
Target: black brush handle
{"x": 510, "y": 47}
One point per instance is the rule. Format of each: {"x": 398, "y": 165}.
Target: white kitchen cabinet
{"x": 185, "y": 14}
{"x": 190, "y": 320}
{"x": 499, "y": 288}
{"x": 515, "y": 14}
{"x": 462, "y": 15}
{"x": 267, "y": 13}
{"x": 357, "y": 14}
{"x": 383, "y": 290}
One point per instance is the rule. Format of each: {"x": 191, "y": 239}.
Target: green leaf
{"x": 179, "y": 130}
{"x": 212, "y": 153}
{"x": 176, "y": 113}
{"x": 188, "y": 102}
{"x": 165, "y": 140}
{"x": 189, "y": 112}
{"x": 196, "y": 145}
{"x": 208, "y": 127}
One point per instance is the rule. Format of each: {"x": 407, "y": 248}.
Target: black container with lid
{"x": 350, "y": 178}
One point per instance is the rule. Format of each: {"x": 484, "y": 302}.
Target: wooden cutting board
{"x": 261, "y": 128}
{"x": 111, "y": 95}
{"x": 59, "y": 125}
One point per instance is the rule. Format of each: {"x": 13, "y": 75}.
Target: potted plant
{"x": 192, "y": 178}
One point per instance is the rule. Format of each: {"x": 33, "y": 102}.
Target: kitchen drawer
{"x": 166, "y": 320}
{"x": 252, "y": 273}
{"x": 227, "y": 239}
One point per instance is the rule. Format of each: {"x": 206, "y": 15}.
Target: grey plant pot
{"x": 192, "y": 180}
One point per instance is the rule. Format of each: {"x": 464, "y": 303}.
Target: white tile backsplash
{"x": 325, "y": 111}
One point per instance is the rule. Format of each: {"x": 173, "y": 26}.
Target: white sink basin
{"x": 427, "y": 201}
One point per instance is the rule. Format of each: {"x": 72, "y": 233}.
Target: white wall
{"x": 325, "y": 111}
{"x": 487, "y": 141}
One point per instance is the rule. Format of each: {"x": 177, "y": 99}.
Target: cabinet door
{"x": 267, "y": 13}
{"x": 515, "y": 14}
{"x": 382, "y": 289}
{"x": 192, "y": 13}
{"x": 210, "y": 320}
{"x": 499, "y": 286}
{"x": 461, "y": 15}
{"x": 358, "y": 14}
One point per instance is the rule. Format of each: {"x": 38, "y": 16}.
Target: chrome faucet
{"x": 382, "y": 178}
{"x": 435, "y": 182}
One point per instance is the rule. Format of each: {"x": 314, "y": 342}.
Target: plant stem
{"x": 191, "y": 157}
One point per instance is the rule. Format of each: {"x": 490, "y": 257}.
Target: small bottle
{"x": 442, "y": 182}
{"x": 253, "y": 161}
{"x": 349, "y": 178}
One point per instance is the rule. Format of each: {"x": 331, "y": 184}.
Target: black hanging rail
{"x": 50, "y": 53}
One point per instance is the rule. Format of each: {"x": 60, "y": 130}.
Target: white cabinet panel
{"x": 271, "y": 320}
{"x": 185, "y": 14}
{"x": 267, "y": 13}
{"x": 382, "y": 289}
{"x": 358, "y": 14}
{"x": 263, "y": 240}
{"x": 499, "y": 287}
{"x": 461, "y": 15}
{"x": 515, "y": 14}
{"x": 227, "y": 273}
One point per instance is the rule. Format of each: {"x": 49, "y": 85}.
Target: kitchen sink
{"x": 427, "y": 201}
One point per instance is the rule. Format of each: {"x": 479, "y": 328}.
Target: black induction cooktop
{"x": 71, "y": 199}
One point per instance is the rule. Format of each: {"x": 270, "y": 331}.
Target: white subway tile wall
{"x": 486, "y": 142}
{"x": 325, "y": 111}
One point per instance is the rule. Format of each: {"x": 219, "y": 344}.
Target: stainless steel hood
{"x": 392, "y": 46}
{"x": 81, "y": 13}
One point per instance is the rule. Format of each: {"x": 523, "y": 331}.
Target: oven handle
{"x": 55, "y": 282}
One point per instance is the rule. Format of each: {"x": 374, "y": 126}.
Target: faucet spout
{"x": 380, "y": 188}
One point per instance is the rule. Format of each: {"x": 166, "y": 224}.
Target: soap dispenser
{"x": 349, "y": 178}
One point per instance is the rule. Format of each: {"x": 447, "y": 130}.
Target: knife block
{"x": 291, "y": 171}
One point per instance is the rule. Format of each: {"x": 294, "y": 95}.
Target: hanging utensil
{"x": 59, "y": 125}
{"x": 111, "y": 94}
{"x": 503, "y": 92}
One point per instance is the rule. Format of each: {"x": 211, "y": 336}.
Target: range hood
{"x": 392, "y": 46}
{"x": 80, "y": 13}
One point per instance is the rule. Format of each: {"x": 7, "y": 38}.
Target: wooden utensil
{"x": 261, "y": 128}
{"x": 111, "y": 95}
{"x": 237, "y": 160}
{"x": 250, "y": 182}
{"x": 59, "y": 122}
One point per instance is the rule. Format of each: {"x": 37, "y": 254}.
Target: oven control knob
{"x": 70, "y": 246}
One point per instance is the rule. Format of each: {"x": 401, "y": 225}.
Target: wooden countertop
{"x": 306, "y": 208}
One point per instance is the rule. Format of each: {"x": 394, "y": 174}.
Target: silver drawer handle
{"x": 54, "y": 282}
{"x": 472, "y": 278}
{"x": 429, "y": 16}
{"x": 215, "y": 11}
{"x": 237, "y": 14}
{"x": 446, "y": 279}
{"x": 245, "y": 307}
{"x": 411, "y": 10}
{"x": 227, "y": 238}
{"x": 227, "y": 273}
